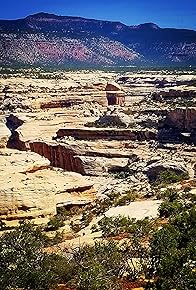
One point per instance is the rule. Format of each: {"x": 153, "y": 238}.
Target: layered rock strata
{"x": 107, "y": 133}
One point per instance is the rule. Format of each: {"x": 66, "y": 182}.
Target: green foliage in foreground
{"x": 99, "y": 266}
{"x": 22, "y": 262}
{"x": 165, "y": 255}
{"x": 173, "y": 253}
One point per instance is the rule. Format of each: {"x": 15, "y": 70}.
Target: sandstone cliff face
{"x": 183, "y": 119}
{"x": 30, "y": 189}
{"x": 179, "y": 126}
{"x": 61, "y": 156}
{"x": 107, "y": 134}
{"x": 76, "y": 159}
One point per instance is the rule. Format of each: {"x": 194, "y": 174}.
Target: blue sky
{"x": 165, "y": 13}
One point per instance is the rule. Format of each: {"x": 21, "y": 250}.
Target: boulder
{"x": 99, "y": 166}
{"x": 114, "y": 119}
{"x": 137, "y": 210}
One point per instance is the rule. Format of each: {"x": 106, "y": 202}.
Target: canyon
{"x": 64, "y": 145}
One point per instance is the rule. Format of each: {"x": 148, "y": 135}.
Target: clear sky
{"x": 165, "y": 13}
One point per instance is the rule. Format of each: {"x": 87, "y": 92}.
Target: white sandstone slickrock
{"x": 29, "y": 188}
{"x": 137, "y": 209}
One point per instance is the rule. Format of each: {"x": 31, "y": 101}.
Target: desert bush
{"x": 23, "y": 264}
{"x": 55, "y": 223}
{"x": 113, "y": 226}
{"x": 76, "y": 227}
{"x": 125, "y": 199}
{"x": 3, "y": 226}
{"x": 173, "y": 253}
{"x": 168, "y": 208}
{"x": 63, "y": 213}
{"x": 121, "y": 174}
{"x": 86, "y": 218}
{"x": 170, "y": 194}
{"x": 101, "y": 266}
{"x": 169, "y": 176}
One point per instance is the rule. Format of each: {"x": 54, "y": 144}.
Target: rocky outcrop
{"x": 113, "y": 86}
{"x": 100, "y": 166}
{"x": 171, "y": 94}
{"x": 13, "y": 104}
{"x": 114, "y": 119}
{"x": 183, "y": 119}
{"x": 60, "y": 155}
{"x": 13, "y": 161}
{"x": 179, "y": 126}
{"x": 107, "y": 134}
{"x": 114, "y": 94}
{"x": 76, "y": 159}
{"x": 30, "y": 189}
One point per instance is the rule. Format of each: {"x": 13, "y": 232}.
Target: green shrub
{"x": 63, "y": 213}
{"x": 113, "y": 226}
{"x": 169, "y": 176}
{"x": 93, "y": 277}
{"x": 121, "y": 174}
{"x": 100, "y": 266}
{"x": 168, "y": 208}
{"x": 125, "y": 199}
{"x": 23, "y": 264}
{"x": 55, "y": 223}
{"x": 169, "y": 194}
{"x": 76, "y": 227}
{"x": 173, "y": 253}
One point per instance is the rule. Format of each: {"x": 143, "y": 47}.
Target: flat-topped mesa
{"x": 179, "y": 126}
{"x": 114, "y": 94}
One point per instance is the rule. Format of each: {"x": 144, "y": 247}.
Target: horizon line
{"x": 89, "y": 18}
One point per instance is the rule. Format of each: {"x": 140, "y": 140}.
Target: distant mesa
{"x": 51, "y": 40}
{"x": 43, "y": 15}
{"x": 147, "y": 26}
